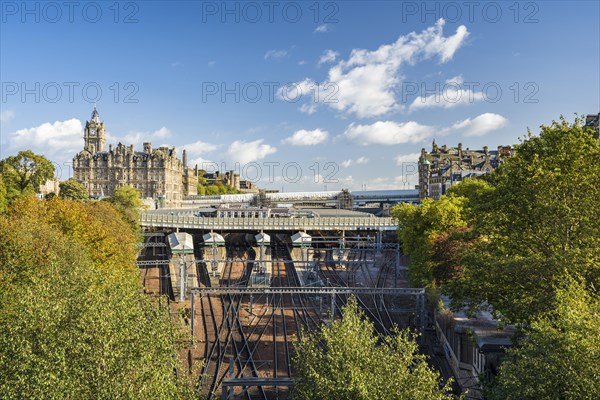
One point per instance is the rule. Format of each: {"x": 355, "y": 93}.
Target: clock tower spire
{"x": 94, "y": 134}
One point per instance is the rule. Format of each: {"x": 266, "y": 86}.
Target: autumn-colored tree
{"x": 3, "y": 195}
{"x": 95, "y": 226}
{"x": 348, "y": 361}
{"x": 68, "y": 329}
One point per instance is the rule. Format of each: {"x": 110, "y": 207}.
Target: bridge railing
{"x": 191, "y": 222}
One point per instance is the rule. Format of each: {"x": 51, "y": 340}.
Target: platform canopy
{"x": 181, "y": 243}
{"x": 263, "y": 239}
{"x": 213, "y": 238}
{"x": 301, "y": 239}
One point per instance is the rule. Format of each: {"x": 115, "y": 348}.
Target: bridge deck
{"x": 256, "y": 224}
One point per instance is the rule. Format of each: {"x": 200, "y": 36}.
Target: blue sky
{"x": 388, "y": 76}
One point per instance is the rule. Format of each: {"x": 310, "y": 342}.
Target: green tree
{"x": 212, "y": 190}
{"x": 215, "y": 189}
{"x": 420, "y": 226}
{"x": 540, "y": 224}
{"x": 127, "y": 197}
{"x": 71, "y": 189}
{"x": 3, "y": 195}
{"x": 478, "y": 194}
{"x": 558, "y": 356}
{"x": 24, "y": 173}
{"x": 201, "y": 178}
{"x": 68, "y": 329}
{"x": 346, "y": 360}
{"x": 128, "y": 202}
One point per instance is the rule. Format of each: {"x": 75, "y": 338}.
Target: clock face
{"x": 92, "y": 132}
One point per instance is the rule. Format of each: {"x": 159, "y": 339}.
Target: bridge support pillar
{"x": 332, "y": 306}
{"x": 397, "y": 268}
{"x": 192, "y": 315}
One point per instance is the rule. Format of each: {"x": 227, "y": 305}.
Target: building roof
{"x": 263, "y": 238}
{"x": 181, "y": 243}
{"x": 213, "y": 238}
{"x": 95, "y": 116}
{"x": 301, "y": 239}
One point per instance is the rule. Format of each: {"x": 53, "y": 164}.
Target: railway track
{"x": 374, "y": 308}
{"x": 252, "y": 337}
{"x": 227, "y": 348}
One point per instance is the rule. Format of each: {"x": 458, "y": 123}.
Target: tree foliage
{"x": 3, "y": 195}
{"x": 126, "y": 197}
{"x": 73, "y": 320}
{"x": 420, "y": 227}
{"x": 128, "y": 202}
{"x": 96, "y": 226}
{"x": 559, "y": 355}
{"x": 540, "y": 224}
{"x": 204, "y": 188}
{"x": 346, "y": 360}
{"x": 24, "y": 173}
{"x": 71, "y": 189}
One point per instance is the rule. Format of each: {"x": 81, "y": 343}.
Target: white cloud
{"x": 480, "y": 125}
{"x": 407, "y": 158}
{"x": 177, "y": 64}
{"x": 308, "y": 108}
{"x": 306, "y": 138}
{"x": 324, "y": 28}
{"x": 328, "y": 56}
{"x": 367, "y": 81}
{"x": 137, "y": 138}
{"x": 450, "y": 95}
{"x": 293, "y": 91}
{"x": 245, "y": 152}
{"x": 388, "y": 133}
{"x": 275, "y": 54}
{"x": 161, "y": 133}
{"x": 199, "y": 147}
{"x": 7, "y": 115}
{"x": 358, "y": 161}
{"x": 202, "y": 163}
{"x": 302, "y": 62}
{"x": 457, "y": 80}
{"x": 58, "y": 140}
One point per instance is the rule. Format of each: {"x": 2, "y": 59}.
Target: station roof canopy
{"x": 263, "y": 238}
{"x": 301, "y": 239}
{"x": 181, "y": 243}
{"x": 213, "y": 238}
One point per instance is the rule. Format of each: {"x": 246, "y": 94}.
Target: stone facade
{"x": 155, "y": 173}
{"x": 229, "y": 178}
{"x": 445, "y": 166}
{"x": 50, "y": 186}
{"x": 593, "y": 121}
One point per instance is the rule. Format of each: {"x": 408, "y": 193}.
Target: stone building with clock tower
{"x": 155, "y": 173}
{"x": 94, "y": 135}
